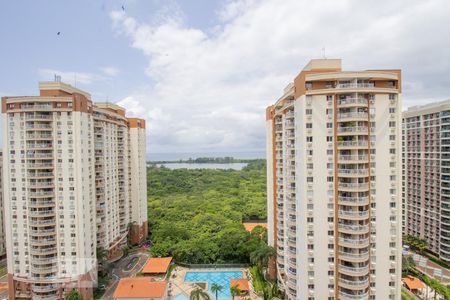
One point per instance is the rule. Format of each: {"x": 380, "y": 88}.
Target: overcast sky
{"x": 201, "y": 72}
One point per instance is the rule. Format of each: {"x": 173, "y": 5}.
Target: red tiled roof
{"x": 413, "y": 283}
{"x": 241, "y": 283}
{"x": 157, "y": 265}
{"x": 140, "y": 287}
{"x": 250, "y": 226}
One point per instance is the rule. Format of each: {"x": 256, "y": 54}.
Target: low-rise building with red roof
{"x": 141, "y": 288}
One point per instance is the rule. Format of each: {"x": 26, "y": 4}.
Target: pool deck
{"x": 177, "y": 285}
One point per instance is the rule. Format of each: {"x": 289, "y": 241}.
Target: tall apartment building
{"x": 426, "y": 175}
{"x": 66, "y": 190}
{"x": 2, "y": 222}
{"x": 333, "y": 157}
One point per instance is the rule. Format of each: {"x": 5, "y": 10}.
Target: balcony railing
{"x": 353, "y": 213}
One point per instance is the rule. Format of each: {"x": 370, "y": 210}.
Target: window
{"x": 392, "y": 110}
{"x": 308, "y": 125}
{"x": 329, "y": 151}
{"x": 329, "y": 138}
{"x": 309, "y": 179}
{"x": 391, "y": 123}
{"x": 392, "y": 151}
{"x": 308, "y": 111}
{"x": 329, "y": 125}
{"x": 309, "y": 139}
{"x": 330, "y": 179}
{"x": 329, "y": 111}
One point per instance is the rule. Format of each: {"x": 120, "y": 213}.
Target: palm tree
{"x": 199, "y": 294}
{"x": 74, "y": 295}
{"x": 260, "y": 257}
{"x": 216, "y": 288}
{"x": 235, "y": 290}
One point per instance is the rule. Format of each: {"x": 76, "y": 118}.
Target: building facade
{"x": 333, "y": 169}
{"x": 2, "y": 221}
{"x": 426, "y": 175}
{"x": 66, "y": 190}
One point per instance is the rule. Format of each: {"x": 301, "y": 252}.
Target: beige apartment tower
{"x": 66, "y": 189}
{"x": 426, "y": 175}
{"x": 333, "y": 165}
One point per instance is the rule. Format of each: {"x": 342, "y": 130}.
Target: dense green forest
{"x": 196, "y": 215}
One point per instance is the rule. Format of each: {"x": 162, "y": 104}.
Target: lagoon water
{"x": 234, "y": 166}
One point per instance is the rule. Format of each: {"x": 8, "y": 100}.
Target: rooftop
{"x": 241, "y": 283}
{"x": 140, "y": 287}
{"x": 157, "y": 265}
{"x": 250, "y": 226}
{"x": 413, "y": 283}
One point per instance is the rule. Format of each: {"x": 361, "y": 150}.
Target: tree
{"x": 408, "y": 265}
{"x": 199, "y": 294}
{"x": 260, "y": 257}
{"x": 74, "y": 295}
{"x": 216, "y": 288}
{"x": 235, "y": 291}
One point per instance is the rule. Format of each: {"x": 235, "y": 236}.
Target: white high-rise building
{"x": 66, "y": 189}
{"x": 2, "y": 222}
{"x": 333, "y": 165}
{"x": 426, "y": 175}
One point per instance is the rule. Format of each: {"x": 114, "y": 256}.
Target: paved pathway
{"x": 119, "y": 272}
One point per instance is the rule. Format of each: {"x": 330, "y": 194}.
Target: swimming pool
{"x": 220, "y": 277}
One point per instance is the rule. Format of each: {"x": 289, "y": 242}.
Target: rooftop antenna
{"x": 57, "y": 78}
{"x": 75, "y": 79}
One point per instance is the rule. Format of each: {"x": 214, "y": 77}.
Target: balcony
{"x": 39, "y": 136}
{"x": 354, "y": 271}
{"x": 39, "y": 155}
{"x": 42, "y": 203}
{"x": 41, "y": 214}
{"x": 353, "y": 116}
{"x": 350, "y": 102}
{"x": 354, "y": 85}
{"x": 352, "y": 144}
{"x": 354, "y": 256}
{"x": 40, "y": 165}
{"x": 43, "y": 251}
{"x": 353, "y": 186}
{"x": 356, "y": 242}
{"x": 353, "y": 214}
{"x": 43, "y": 222}
{"x": 353, "y": 130}
{"x": 40, "y": 174}
{"x": 356, "y": 229}
{"x": 355, "y": 296}
{"x": 40, "y": 184}
{"x": 41, "y": 194}
{"x": 43, "y": 232}
{"x": 353, "y": 200}
{"x": 353, "y": 158}
{"x": 354, "y": 284}
{"x": 44, "y": 288}
{"x": 353, "y": 172}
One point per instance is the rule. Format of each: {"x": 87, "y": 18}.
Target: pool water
{"x": 220, "y": 277}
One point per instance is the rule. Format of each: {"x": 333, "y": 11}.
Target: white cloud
{"x": 209, "y": 88}
{"x": 110, "y": 71}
